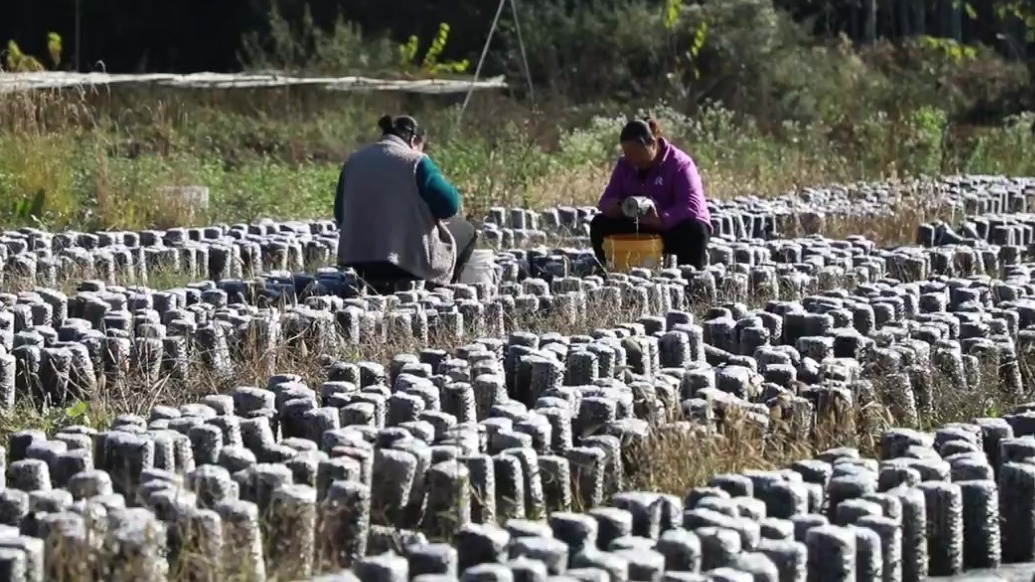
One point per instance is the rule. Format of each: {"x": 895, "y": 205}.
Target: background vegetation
{"x": 767, "y": 95}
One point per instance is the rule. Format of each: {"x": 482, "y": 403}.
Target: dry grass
{"x": 674, "y": 461}
{"x": 895, "y": 225}
{"x": 135, "y": 391}
{"x": 584, "y": 184}
{"x": 69, "y": 283}
{"x": 101, "y": 158}
{"x": 674, "y": 458}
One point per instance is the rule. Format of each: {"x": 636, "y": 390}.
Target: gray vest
{"x": 385, "y": 217}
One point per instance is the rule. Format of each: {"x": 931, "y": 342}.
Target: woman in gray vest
{"x": 398, "y": 215}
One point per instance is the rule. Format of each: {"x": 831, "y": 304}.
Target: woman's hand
{"x": 651, "y": 219}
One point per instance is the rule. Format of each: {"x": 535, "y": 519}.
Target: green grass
{"x": 99, "y": 161}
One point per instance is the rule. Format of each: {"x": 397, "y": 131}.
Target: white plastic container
{"x": 480, "y": 269}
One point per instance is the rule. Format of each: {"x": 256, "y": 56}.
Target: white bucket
{"x": 480, "y": 269}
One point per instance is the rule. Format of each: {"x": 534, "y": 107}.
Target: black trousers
{"x": 383, "y": 276}
{"x": 688, "y": 240}
{"x": 466, "y": 237}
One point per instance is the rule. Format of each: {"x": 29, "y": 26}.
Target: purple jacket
{"x": 673, "y": 184}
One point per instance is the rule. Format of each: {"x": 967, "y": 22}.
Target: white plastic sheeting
{"x": 21, "y": 82}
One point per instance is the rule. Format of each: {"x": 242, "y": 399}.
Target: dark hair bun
{"x": 403, "y": 127}
{"x": 655, "y": 129}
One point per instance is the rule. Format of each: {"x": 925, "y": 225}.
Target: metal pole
{"x": 78, "y": 28}
{"x": 521, "y": 45}
{"x": 481, "y": 61}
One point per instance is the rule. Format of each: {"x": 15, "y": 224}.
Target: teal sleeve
{"x": 441, "y": 196}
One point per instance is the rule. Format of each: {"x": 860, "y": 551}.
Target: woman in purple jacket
{"x": 654, "y": 168}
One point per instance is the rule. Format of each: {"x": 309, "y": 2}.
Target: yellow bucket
{"x": 625, "y": 252}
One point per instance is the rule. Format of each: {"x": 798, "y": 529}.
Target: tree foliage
{"x": 165, "y": 36}
{"x": 15, "y": 60}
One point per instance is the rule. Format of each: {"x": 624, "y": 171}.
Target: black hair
{"x": 403, "y": 127}
{"x": 643, "y": 131}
